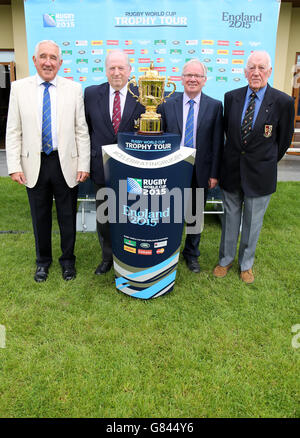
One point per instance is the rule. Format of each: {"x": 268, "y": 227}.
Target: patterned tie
{"x": 116, "y": 117}
{"x": 247, "y": 123}
{"x": 189, "y": 127}
{"x": 46, "y": 124}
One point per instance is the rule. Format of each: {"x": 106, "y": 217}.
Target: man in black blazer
{"x": 259, "y": 124}
{"x": 206, "y": 137}
{"x": 103, "y": 128}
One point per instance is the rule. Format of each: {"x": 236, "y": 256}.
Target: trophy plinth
{"x": 151, "y": 95}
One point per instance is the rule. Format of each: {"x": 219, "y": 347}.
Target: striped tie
{"x": 247, "y": 123}
{"x": 46, "y": 124}
{"x": 189, "y": 127}
{"x": 116, "y": 117}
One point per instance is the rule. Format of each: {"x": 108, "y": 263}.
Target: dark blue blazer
{"x": 209, "y": 137}
{"x": 253, "y": 167}
{"x": 96, "y": 101}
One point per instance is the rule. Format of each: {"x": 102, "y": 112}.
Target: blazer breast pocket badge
{"x": 268, "y": 131}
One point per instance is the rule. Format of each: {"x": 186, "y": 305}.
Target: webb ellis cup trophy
{"x": 151, "y": 95}
{"x": 142, "y": 169}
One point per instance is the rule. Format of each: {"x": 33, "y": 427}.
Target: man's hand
{"x": 82, "y": 176}
{"x": 19, "y": 177}
{"x": 212, "y": 182}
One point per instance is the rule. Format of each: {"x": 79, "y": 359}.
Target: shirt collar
{"x": 259, "y": 94}
{"x": 186, "y": 98}
{"x": 40, "y": 81}
{"x": 123, "y": 90}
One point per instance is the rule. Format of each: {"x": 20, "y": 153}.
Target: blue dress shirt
{"x": 258, "y": 100}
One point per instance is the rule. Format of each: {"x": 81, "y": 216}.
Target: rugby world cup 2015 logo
{"x": 59, "y": 20}
{"x": 134, "y": 185}
{"x": 49, "y": 20}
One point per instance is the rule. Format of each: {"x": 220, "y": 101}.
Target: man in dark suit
{"x": 198, "y": 118}
{"x": 109, "y": 109}
{"x": 259, "y": 124}
{"x": 48, "y": 150}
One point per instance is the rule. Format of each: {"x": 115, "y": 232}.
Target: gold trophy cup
{"x": 151, "y": 95}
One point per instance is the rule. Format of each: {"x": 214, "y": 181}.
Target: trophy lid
{"x": 152, "y": 74}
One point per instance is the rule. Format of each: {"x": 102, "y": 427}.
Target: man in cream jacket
{"x": 48, "y": 150}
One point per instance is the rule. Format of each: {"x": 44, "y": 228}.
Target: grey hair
{"x": 36, "y": 50}
{"x": 260, "y": 52}
{"x": 117, "y": 52}
{"x": 195, "y": 61}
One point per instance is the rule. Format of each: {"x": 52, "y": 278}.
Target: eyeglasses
{"x": 196, "y": 76}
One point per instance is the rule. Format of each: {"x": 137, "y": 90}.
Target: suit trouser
{"x": 51, "y": 183}
{"x": 192, "y": 241}
{"x": 103, "y": 231}
{"x": 249, "y": 211}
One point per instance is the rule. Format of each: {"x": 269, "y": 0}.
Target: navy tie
{"x": 46, "y": 124}
{"x": 247, "y": 123}
{"x": 189, "y": 127}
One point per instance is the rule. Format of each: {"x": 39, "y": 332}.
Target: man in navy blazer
{"x": 206, "y": 137}
{"x": 99, "y": 102}
{"x": 259, "y": 125}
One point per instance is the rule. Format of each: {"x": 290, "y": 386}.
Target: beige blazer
{"x": 24, "y": 137}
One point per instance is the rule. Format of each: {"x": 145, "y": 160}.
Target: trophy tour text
{"x": 167, "y": 18}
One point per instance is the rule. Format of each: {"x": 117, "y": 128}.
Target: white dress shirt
{"x": 123, "y": 94}
{"x": 52, "y": 92}
{"x": 186, "y": 107}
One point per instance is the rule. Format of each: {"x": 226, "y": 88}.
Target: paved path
{"x": 3, "y": 167}
{"x": 288, "y": 168}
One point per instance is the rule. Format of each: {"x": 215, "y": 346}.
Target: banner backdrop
{"x": 221, "y": 33}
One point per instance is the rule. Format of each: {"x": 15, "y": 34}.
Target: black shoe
{"x": 68, "y": 273}
{"x": 41, "y": 274}
{"x": 103, "y": 268}
{"x": 193, "y": 265}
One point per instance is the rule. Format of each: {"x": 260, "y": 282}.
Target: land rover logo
{"x": 145, "y": 245}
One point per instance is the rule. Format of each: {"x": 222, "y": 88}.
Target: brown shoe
{"x": 247, "y": 276}
{"x": 221, "y": 271}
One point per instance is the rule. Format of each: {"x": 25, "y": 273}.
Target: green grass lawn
{"x": 210, "y": 348}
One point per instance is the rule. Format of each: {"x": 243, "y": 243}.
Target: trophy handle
{"x": 174, "y": 88}
{"x": 132, "y": 81}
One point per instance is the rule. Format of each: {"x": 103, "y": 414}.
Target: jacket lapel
{"x": 178, "y": 105}
{"x": 60, "y": 99}
{"x": 202, "y": 109}
{"x": 103, "y": 106}
{"x": 32, "y": 101}
{"x": 264, "y": 110}
{"x": 130, "y": 104}
{"x": 237, "y": 110}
